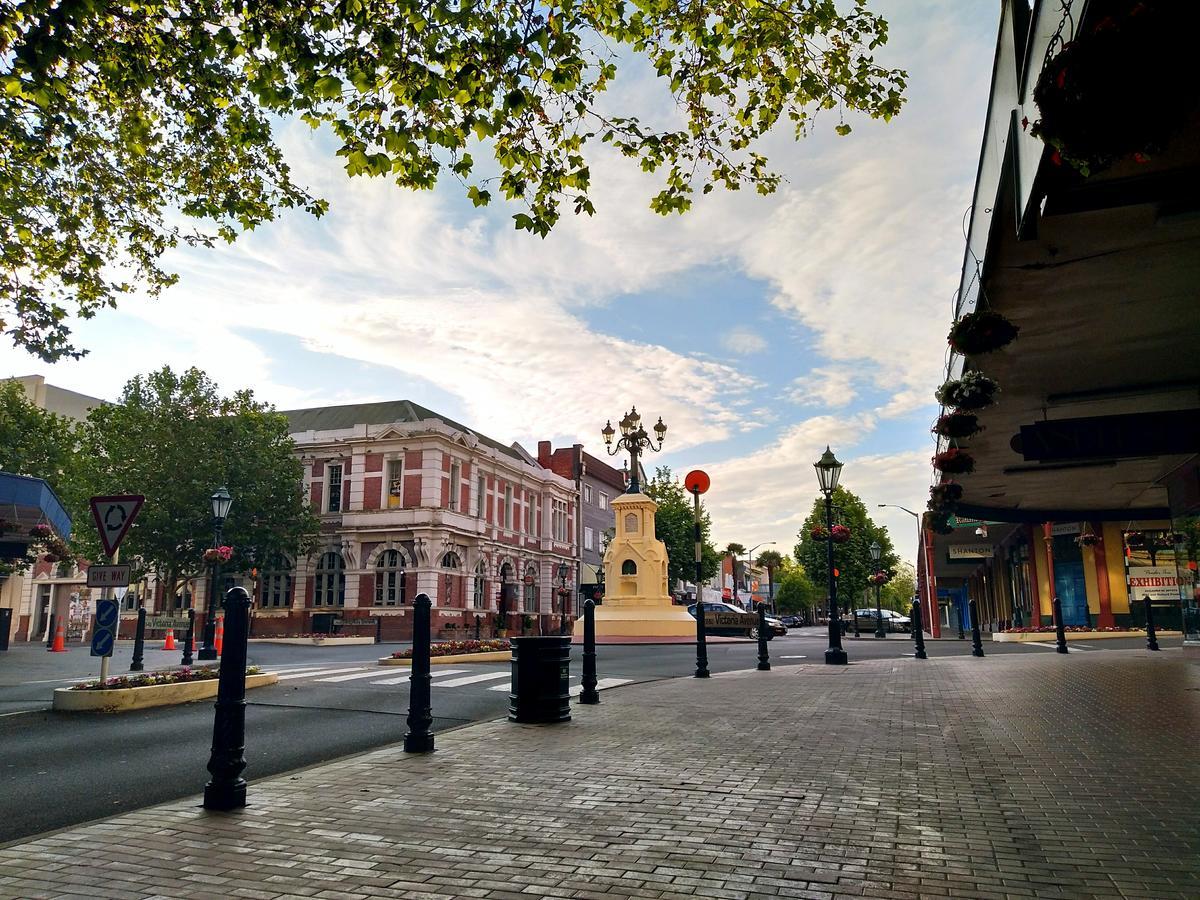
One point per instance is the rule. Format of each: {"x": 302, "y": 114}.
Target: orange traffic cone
{"x": 219, "y": 637}
{"x": 169, "y": 643}
{"x": 60, "y": 645}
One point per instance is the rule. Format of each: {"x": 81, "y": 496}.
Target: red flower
{"x": 839, "y": 534}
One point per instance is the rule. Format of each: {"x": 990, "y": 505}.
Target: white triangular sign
{"x": 113, "y": 517}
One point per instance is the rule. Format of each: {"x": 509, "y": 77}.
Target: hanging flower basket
{"x": 839, "y": 534}
{"x": 1121, "y": 89}
{"x": 818, "y": 533}
{"x": 1135, "y": 539}
{"x": 878, "y": 578}
{"x": 939, "y": 523}
{"x": 982, "y": 331}
{"x": 41, "y": 532}
{"x": 955, "y": 461}
{"x": 218, "y": 554}
{"x": 1087, "y": 539}
{"x": 957, "y": 425}
{"x": 947, "y": 493}
{"x": 973, "y": 391}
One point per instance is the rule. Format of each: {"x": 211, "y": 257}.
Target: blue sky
{"x": 760, "y": 329}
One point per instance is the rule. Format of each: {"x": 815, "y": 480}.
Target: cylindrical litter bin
{"x": 541, "y": 680}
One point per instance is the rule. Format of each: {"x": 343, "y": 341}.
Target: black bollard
{"x": 189, "y": 639}
{"x": 976, "y": 638}
{"x": 478, "y": 625}
{"x": 1060, "y": 633}
{"x": 589, "y": 694}
{"x": 764, "y": 659}
{"x": 227, "y": 789}
{"x": 379, "y": 629}
{"x": 1151, "y": 634}
{"x": 916, "y": 626}
{"x": 420, "y": 715}
{"x": 139, "y": 641}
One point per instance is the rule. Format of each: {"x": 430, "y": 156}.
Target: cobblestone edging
{"x": 1024, "y": 636}
{"x": 1003, "y": 777}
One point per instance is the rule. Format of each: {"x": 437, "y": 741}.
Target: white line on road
{"x": 406, "y": 677}
{"x": 793, "y": 657}
{"x": 1051, "y": 646}
{"x": 471, "y": 679}
{"x": 576, "y": 689}
{"x": 318, "y": 672}
{"x": 373, "y": 673}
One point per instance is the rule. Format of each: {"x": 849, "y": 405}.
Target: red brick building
{"x": 413, "y": 502}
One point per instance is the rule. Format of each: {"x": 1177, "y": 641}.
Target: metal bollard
{"x": 1151, "y": 633}
{"x": 478, "y": 625}
{"x": 227, "y": 789}
{"x": 139, "y": 642}
{"x": 917, "y": 629}
{"x": 189, "y": 639}
{"x": 976, "y": 638}
{"x": 764, "y": 659}
{"x": 379, "y": 629}
{"x": 420, "y": 715}
{"x": 1060, "y": 632}
{"x": 589, "y": 694}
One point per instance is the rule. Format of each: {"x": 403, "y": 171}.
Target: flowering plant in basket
{"x": 839, "y": 534}
{"x": 944, "y": 495}
{"x": 879, "y": 578}
{"x": 939, "y": 523}
{"x": 973, "y": 390}
{"x": 1087, "y": 539}
{"x": 955, "y": 460}
{"x": 981, "y": 331}
{"x": 218, "y": 554}
{"x": 458, "y": 648}
{"x": 818, "y": 533}
{"x": 41, "y": 532}
{"x": 957, "y": 425}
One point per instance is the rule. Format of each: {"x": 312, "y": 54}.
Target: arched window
{"x": 531, "y": 590}
{"x": 479, "y": 595}
{"x": 389, "y": 579}
{"x": 629, "y": 567}
{"x": 508, "y": 590}
{"x": 277, "y": 583}
{"x": 330, "y": 586}
{"x": 451, "y": 592}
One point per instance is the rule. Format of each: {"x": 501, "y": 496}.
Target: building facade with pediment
{"x": 411, "y": 502}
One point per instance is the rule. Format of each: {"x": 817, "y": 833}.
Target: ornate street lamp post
{"x": 876, "y": 553}
{"x": 221, "y": 501}
{"x": 634, "y": 439}
{"x": 829, "y": 470}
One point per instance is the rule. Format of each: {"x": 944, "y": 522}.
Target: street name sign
{"x": 107, "y": 617}
{"x": 165, "y": 622}
{"x": 108, "y": 576}
{"x": 113, "y": 517}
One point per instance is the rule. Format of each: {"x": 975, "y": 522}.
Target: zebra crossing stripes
{"x": 576, "y": 689}
{"x": 290, "y": 675}
{"x": 468, "y": 677}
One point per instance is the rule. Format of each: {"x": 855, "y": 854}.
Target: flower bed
{"x": 129, "y": 692}
{"x": 455, "y": 651}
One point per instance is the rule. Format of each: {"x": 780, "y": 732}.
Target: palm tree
{"x": 770, "y": 560}
{"x": 735, "y": 550}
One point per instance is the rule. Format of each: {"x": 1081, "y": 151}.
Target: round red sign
{"x": 696, "y": 481}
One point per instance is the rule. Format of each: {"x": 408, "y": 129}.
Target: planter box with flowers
{"x": 150, "y": 689}
{"x": 1073, "y": 633}
{"x": 455, "y": 652}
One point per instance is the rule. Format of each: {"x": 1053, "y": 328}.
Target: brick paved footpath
{"x": 1011, "y": 776}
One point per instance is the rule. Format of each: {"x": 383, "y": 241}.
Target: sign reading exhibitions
{"x": 1160, "y": 583}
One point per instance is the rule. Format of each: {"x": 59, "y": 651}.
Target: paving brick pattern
{"x": 1015, "y": 776}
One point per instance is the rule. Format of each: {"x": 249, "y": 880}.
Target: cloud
{"x": 743, "y": 342}
{"x": 831, "y": 386}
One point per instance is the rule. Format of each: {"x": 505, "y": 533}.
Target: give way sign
{"x": 113, "y": 517}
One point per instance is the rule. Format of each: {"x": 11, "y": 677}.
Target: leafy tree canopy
{"x": 176, "y": 439}
{"x": 853, "y": 558}
{"x": 120, "y": 123}
{"x": 796, "y": 592}
{"x": 898, "y": 593}
{"x": 34, "y": 442}
{"x": 675, "y": 526}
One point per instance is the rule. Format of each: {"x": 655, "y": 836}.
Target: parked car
{"x": 791, "y": 621}
{"x": 729, "y": 620}
{"x": 892, "y": 621}
{"x": 776, "y": 626}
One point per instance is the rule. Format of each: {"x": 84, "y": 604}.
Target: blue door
{"x": 1072, "y": 593}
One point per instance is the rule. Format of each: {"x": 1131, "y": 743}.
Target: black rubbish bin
{"x": 5, "y": 625}
{"x": 541, "y": 680}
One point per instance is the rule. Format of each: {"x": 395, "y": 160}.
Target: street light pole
{"x": 635, "y": 440}
{"x": 876, "y": 553}
{"x": 221, "y": 501}
{"x": 828, "y": 472}
{"x": 749, "y": 565}
{"x": 920, "y": 561}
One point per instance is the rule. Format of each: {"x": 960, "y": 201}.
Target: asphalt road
{"x": 61, "y": 769}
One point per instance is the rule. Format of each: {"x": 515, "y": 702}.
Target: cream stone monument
{"x": 637, "y": 602}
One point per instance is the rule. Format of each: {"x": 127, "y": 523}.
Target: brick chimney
{"x": 544, "y": 454}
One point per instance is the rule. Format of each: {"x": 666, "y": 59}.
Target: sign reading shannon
{"x": 970, "y": 551}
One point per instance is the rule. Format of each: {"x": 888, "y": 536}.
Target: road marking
{"x": 576, "y": 689}
{"x": 404, "y": 678}
{"x": 318, "y": 672}
{"x": 793, "y": 657}
{"x": 1051, "y": 646}
{"x": 471, "y": 679}
{"x": 373, "y": 673}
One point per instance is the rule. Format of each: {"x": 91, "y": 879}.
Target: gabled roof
{"x": 333, "y": 418}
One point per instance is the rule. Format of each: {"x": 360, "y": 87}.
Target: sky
{"x": 761, "y": 329}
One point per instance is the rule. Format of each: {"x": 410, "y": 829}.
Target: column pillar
{"x": 1103, "y": 590}
{"x": 1048, "y": 537}
{"x": 1035, "y": 583}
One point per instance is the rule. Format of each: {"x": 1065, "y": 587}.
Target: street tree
{"x": 674, "y": 525}
{"x": 771, "y": 560}
{"x": 175, "y": 438}
{"x": 128, "y": 128}
{"x": 853, "y": 558}
{"x": 797, "y": 593}
{"x": 898, "y": 593}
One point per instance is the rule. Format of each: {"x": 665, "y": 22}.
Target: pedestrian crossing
{"x": 498, "y": 681}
